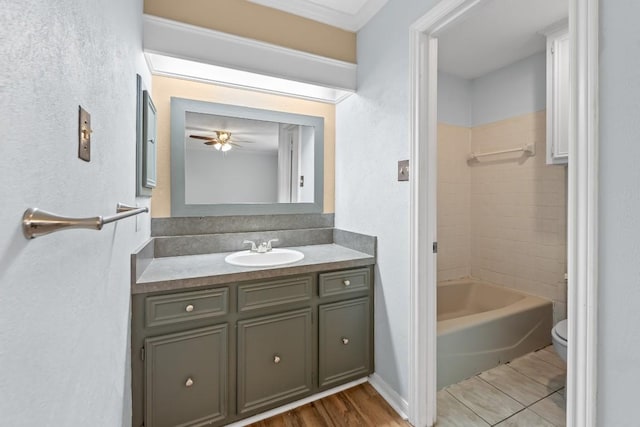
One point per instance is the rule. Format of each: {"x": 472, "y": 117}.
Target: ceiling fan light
{"x": 225, "y": 147}
{"x": 218, "y": 146}
{"x": 223, "y": 135}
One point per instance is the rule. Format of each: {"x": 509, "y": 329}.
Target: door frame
{"x": 582, "y": 222}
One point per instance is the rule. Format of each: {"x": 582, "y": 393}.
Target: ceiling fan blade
{"x": 244, "y": 142}
{"x": 206, "y": 138}
{"x": 212, "y": 142}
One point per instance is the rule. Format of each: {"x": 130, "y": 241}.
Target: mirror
{"x": 233, "y": 160}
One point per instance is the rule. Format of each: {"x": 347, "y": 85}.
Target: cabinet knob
{"x": 276, "y": 359}
{"x": 189, "y": 382}
{"x": 189, "y": 308}
{"x": 345, "y": 340}
{"x": 346, "y": 282}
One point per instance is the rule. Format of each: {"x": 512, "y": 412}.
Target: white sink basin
{"x": 277, "y": 256}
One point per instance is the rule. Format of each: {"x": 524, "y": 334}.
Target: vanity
{"x": 216, "y": 339}
{"x": 213, "y": 343}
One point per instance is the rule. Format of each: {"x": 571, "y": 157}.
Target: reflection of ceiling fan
{"x": 222, "y": 141}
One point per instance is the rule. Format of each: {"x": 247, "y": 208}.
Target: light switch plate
{"x": 403, "y": 170}
{"x": 84, "y": 135}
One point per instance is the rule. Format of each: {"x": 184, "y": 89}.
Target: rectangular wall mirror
{"x": 233, "y": 160}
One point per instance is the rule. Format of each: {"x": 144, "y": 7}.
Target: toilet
{"x": 559, "y": 337}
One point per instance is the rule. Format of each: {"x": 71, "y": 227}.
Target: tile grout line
{"x": 517, "y": 370}
{"x": 506, "y": 394}
{"x": 463, "y": 404}
{"x": 544, "y": 417}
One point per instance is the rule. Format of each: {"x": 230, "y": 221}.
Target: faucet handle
{"x": 253, "y": 245}
{"x": 269, "y": 243}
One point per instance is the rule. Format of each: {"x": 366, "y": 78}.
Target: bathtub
{"x": 481, "y": 326}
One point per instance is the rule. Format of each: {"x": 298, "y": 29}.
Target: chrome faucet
{"x": 253, "y": 245}
{"x": 262, "y": 247}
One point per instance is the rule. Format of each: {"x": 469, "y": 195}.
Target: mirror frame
{"x": 179, "y": 207}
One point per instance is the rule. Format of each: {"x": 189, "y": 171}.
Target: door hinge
{"x": 435, "y": 247}
{"x": 142, "y": 354}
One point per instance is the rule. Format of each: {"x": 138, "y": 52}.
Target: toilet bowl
{"x": 559, "y": 337}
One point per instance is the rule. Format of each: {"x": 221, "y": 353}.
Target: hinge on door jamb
{"x": 142, "y": 358}
{"x": 435, "y": 247}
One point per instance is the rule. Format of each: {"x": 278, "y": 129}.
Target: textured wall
{"x": 246, "y": 19}
{"x": 619, "y": 214}
{"x": 65, "y": 297}
{"x": 166, "y": 87}
{"x": 372, "y": 131}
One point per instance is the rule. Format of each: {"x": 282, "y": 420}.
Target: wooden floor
{"x": 357, "y": 406}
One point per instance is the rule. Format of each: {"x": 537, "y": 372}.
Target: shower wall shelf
{"x": 36, "y": 222}
{"x": 529, "y": 149}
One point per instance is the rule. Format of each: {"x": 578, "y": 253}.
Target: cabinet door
{"x": 558, "y": 82}
{"x": 344, "y": 341}
{"x": 186, "y": 378}
{"x": 274, "y": 359}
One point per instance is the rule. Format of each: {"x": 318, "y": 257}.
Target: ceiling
{"x": 350, "y": 15}
{"x": 497, "y": 33}
{"x": 261, "y": 135}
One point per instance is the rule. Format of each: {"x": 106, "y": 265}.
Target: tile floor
{"x": 527, "y": 392}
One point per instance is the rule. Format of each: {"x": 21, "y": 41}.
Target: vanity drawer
{"x": 344, "y": 341}
{"x": 344, "y": 282}
{"x": 255, "y": 296}
{"x": 183, "y": 307}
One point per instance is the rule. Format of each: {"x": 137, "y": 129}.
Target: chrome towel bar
{"x": 36, "y": 223}
{"x": 529, "y": 149}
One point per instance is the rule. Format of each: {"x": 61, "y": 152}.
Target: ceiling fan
{"x": 221, "y": 142}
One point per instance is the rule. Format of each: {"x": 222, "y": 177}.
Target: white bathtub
{"x": 481, "y": 326}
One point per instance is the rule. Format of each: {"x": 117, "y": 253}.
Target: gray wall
{"x": 454, "y": 104}
{"x": 619, "y": 216}
{"x": 513, "y": 90}
{"x": 236, "y": 176}
{"x": 65, "y": 297}
{"x": 516, "y": 89}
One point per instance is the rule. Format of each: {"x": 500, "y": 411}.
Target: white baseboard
{"x": 400, "y": 405}
{"x": 288, "y": 407}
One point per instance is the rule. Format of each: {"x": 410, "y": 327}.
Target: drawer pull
{"x": 189, "y": 382}
{"x": 346, "y": 282}
{"x": 345, "y": 340}
{"x": 189, "y": 308}
{"x": 276, "y": 359}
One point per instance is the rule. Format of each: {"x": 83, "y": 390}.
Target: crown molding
{"x": 326, "y": 15}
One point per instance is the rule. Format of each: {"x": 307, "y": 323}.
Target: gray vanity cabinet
{"x": 344, "y": 341}
{"x": 186, "y": 377}
{"x": 220, "y": 353}
{"x": 274, "y": 359}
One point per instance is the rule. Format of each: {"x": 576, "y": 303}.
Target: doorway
{"x": 582, "y": 213}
